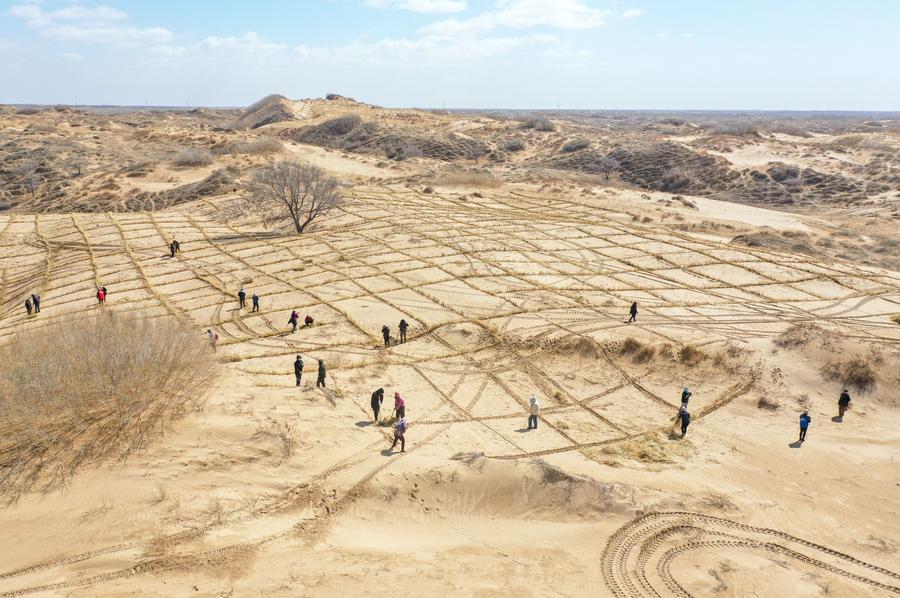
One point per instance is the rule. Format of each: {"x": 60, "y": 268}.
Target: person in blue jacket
{"x": 805, "y": 420}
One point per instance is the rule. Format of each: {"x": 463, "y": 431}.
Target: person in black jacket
{"x": 386, "y": 334}
{"x": 633, "y": 312}
{"x": 403, "y": 328}
{"x": 28, "y": 305}
{"x": 843, "y": 403}
{"x": 255, "y": 299}
{"x": 298, "y": 369}
{"x": 377, "y": 400}
{"x": 685, "y": 420}
{"x": 242, "y": 297}
{"x": 320, "y": 381}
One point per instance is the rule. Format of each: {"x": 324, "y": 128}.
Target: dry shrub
{"x": 574, "y": 145}
{"x": 768, "y": 403}
{"x": 255, "y": 147}
{"x": 691, "y": 356}
{"x": 644, "y": 354}
{"x": 648, "y": 448}
{"x": 630, "y": 346}
{"x": 896, "y": 319}
{"x": 538, "y": 124}
{"x": 856, "y": 372}
{"x": 733, "y": 359}
{"x": 102, "y": 388}
{"x": 579, "y": 346}
{"x": 193, "y": 156}
{"x": 799, "y": 335}
{"x": 514, "y": 145}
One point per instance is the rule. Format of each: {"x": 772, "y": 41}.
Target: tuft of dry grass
{"x": 76, "y": 393}
{"x": 193, "y": 157}
{"x": 896, "y": 319}
{"x": 768, "y": 403}
{"x": 691, "y": 356}
{"x": 799, "y": 335}
{"x": 856, "y": 372}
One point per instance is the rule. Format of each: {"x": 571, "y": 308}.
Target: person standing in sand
{"x": 399, "y": 406}
{"x": 404, "y": 326}
{"x": 36, "y": 301}
{"x": 242, "y": 298}
{"x": 320, "y": 381}
{"x": 255, "y": 299}
{"x": 28, "y": 305}
{"x": 843, "y": 403}
{"x": 633, "y": 312}
{"x": 298, "y": 369}
{"x": 805, "y": 420}
{"x": 293, "y": 320}
{"x": 685, "y": 397}
{"x": 685, "y": 417}
{"x": 386, "y": 334}
{"x": 101, "y": 295}
{"x": 534, "y": 409}
{"x": 377, "y": 400}
{"x": 400, "y": 434}
{"x": 213, "y": 339}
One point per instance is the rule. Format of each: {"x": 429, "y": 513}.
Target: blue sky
{"x": 615, "y": 54}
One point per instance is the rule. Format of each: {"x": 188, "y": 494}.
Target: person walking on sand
{"x": 843, "y": 403}
{"x": 242, "y": 298}
{"x": 255, "y": 299}
{"x": 213, "y": 339}
{"x": 399, "y": 405}
{"x": 298, "y": 369}
{"x": 172, "y": 249}
{"x": 805, "y": 420}
{"x": 28, "y": 305}
{"x": 685, "y": 397}
{"x": 101, "y": 295}
{"x": 386, "y": 334}
{"x": 400, "y": 434}
{"x": 534, "y": 409}
{"x": 404, "y": 326}
{"x": 633, "y": 313}
{"x": 177, "y": 246}
{"x": 320, "y": 381}
{"x": 377, "y": 400}
{"x": 36, "y": 302}
{"x": 308, "y": 321}
{"x": 293, "y": 320}
{"x": 685, "y": 420}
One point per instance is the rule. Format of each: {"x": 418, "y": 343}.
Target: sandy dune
{"x": 516, "y": 280}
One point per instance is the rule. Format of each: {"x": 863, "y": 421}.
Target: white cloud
{"x": 71, "y": 57}
{"x": 523, "y": 14}
{"x": 427, "y": 6}
{"x": 95, "y": 24}
{"x": 249, "y": 43}
{"x": 632, "y": 13}
{"x": 688, "y": 35}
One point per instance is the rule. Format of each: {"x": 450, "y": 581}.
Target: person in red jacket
{"x": 101, "y": 295}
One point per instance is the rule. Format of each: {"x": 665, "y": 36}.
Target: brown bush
{"x": 72, "y": 394}
{"x": 691, "y": 356}
{"x": 799, "y": 335}
{"x": 856, "y": 372}
{"x": 768, "y": 403}
{"x": 630, "y": 346}
{"x": 539, "y": 124}
{"x": 193, "y": 157}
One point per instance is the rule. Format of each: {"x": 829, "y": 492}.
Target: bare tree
{"x": 289, "y": 190}
{"x": 30, "y": 176}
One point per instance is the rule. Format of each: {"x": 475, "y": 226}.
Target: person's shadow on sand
{"x": 365, "y": 423}
{"x": 524, "y": 430}
{"x": 837, "y": 419}
{"x": 796, "y": 444}
{"x": 387, "y": 452}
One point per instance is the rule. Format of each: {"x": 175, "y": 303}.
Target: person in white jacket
{"x": 534, "y": 410}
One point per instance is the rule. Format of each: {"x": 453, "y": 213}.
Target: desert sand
{"x": 516, "y": 274}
